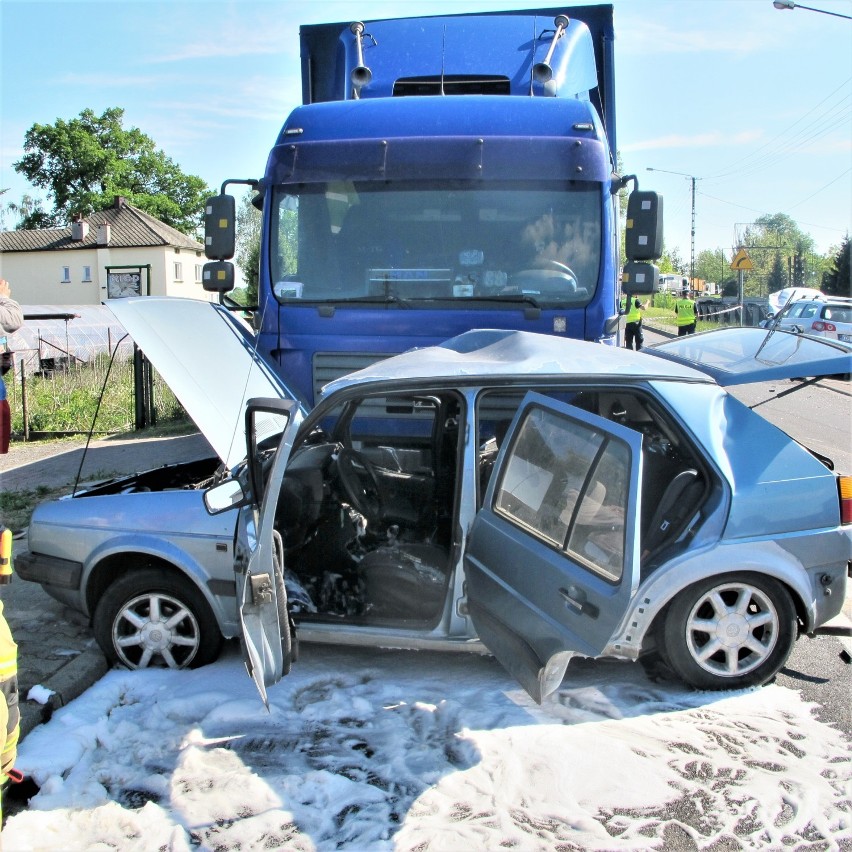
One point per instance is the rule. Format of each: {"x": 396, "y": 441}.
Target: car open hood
{"x": 739, "y": 356}
{"x": 208, "y": 359}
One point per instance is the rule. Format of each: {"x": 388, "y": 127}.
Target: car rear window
{"x": 838, "y": 313}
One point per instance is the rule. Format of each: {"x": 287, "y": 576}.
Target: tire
{"x": 729, "y": 632}
{"x": 183, "y": 634}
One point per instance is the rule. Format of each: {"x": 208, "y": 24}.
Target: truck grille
{"x": 328, "y": 366}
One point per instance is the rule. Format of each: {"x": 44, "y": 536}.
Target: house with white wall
{"x": 113, "y": 253}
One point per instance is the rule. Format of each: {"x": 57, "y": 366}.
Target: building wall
{"x": 60, "y": 277}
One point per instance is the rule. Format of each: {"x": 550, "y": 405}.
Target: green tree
{"x": 777, "y": 236}
{"x": 29, "y": 210}
{"x": 248, "y": 245}
{"x": 777, "y": 279}
{"x": 87, "y": 161}
{"x": 671, "y": 261}
{"x": 713, "y": 266}
{"x": 837, "y": 279}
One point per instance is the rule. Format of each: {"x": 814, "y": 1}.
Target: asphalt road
{"x": 818, "y": 414}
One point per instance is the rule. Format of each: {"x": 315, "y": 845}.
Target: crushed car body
{"x": 533, "y": 496}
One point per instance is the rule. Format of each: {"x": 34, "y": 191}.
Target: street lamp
{"x": 789, "y": 4}
{"x": 692, "y": 242}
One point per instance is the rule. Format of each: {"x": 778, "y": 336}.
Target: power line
{"x": 779, "y": 135}
{"x": 764, "y": 212}
{"x": 842, "y": 174}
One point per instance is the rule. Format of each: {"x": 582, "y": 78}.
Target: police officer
{"x": 632, "y": 310}
{"x": 685, "y": 310}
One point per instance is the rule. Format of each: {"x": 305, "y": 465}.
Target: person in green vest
{"x": 632, "y": 309}
{"x": 685, "y": 311}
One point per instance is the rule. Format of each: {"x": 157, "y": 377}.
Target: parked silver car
{"x": 530, "y": 495}
{"x": 823, "y": 317}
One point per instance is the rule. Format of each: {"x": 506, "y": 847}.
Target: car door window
{"x": 566, "y": 482}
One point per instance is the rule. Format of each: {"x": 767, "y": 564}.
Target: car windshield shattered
{"x": 358, "y": 241}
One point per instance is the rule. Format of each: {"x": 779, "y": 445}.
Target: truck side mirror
{"x": 639, "y": 279}
{"x": 643, "y": 237}
{"x": 220, "y": 227}
{"x": 218, "y": 276}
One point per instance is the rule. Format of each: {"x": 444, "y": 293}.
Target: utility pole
{"x": 692, "y": 179}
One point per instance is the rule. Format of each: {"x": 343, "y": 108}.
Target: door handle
{"x": 577, "y": 599}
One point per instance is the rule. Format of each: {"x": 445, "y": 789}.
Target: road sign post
{"x": 740, "y": 264}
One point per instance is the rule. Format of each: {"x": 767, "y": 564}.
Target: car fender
{"x": 222, "y": 605}
{"x": 670, "y": 579}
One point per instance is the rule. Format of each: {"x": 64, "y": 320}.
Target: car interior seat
{"x": 676, "y": 507}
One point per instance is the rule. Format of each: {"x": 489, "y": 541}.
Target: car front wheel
{"x": 153, "y": 618}
{"x": 729, "y": 632}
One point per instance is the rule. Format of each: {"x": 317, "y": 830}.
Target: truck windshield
{"x": 436, "y": 241}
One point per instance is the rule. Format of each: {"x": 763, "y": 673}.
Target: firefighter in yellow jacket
{"x": 9, "y": 714}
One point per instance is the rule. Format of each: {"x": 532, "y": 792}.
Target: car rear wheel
{"x": 153, "y": 618}
{"x": 729, "y": 632}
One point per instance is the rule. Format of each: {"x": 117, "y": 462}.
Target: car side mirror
{"x": 226, "y": 495}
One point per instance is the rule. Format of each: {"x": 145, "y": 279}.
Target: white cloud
{"x": 677, "y": 33}
{"x": 103, "y": 80}
{"x": 695, "y": 140}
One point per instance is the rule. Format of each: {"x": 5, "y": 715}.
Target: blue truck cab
{"x": 443, "y": 173}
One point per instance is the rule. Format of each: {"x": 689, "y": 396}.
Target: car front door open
{"x": 259, "y": 556}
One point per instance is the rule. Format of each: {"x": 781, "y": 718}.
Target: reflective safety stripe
{"x": 685, "y": 311}
{"x": 9, "y": 712}
{"x": 634, "y": 314}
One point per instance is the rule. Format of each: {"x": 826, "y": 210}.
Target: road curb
{"x": 69, "y": 682}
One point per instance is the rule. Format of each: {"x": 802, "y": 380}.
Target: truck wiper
{"x": 378, "y": 300}
{"x": 523, "y": 298}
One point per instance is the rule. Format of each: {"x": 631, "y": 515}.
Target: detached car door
{"x": 553, "y": 556}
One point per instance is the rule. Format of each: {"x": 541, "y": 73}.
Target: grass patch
{"x": 16, "y": 507}
{"x": 66, "y": 400}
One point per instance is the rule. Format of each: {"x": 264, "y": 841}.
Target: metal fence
{"x": 56, "y": 392}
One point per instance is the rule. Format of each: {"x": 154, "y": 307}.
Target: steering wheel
{"x": 548, "y": 269}
{"x": 360, "y": 482}
{"x": 555, "y": 266}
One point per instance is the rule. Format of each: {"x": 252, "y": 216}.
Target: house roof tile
{"x": 130, "y": 227}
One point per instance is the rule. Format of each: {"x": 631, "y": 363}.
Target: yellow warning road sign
{"x": 742, "y": 261}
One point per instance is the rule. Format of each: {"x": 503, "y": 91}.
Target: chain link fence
{"x": 56, "y": 392}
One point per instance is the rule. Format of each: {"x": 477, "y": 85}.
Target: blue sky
{"x": 753, "y": 101}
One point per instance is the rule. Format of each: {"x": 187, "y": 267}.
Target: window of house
{"x": 87, "y": 273}
{"x": 66, "y": 274}
{"x": 198, "y": 271}
{"x": 178, "y": 271}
